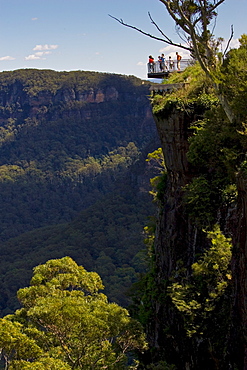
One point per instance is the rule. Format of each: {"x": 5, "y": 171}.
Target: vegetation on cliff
{"x": 192, "y": 279}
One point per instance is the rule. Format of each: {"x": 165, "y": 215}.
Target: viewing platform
{"x": 154, "y": 70}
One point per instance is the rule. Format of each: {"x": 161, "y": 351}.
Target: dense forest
{"x": 73, "y": 175}
{"x": 56, "y": 133}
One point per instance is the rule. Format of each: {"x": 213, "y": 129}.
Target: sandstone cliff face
{"x": 17, "y": 104}
{"x": 176, "y": 237}
{"x": 178, "y": 242}
{"x": 173, "y": 228}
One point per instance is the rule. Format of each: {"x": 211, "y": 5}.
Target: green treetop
{"x": 66, "y": 323}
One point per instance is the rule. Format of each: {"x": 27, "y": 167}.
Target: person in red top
{"x": 151, "y": 63}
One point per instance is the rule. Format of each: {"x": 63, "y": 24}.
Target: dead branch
{"x": 228, "y": 43}
{"x": 165, "y": 39}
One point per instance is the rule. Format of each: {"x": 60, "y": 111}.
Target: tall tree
{"x": 67, "y": 320}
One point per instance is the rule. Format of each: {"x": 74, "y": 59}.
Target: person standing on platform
{"x": 163, "y": 62}
{"x": 151, "y": 64}
{"x": 178, "y": 60}
{"x": 170, "y": 63}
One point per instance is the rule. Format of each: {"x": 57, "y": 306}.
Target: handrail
{"x": 169, "y": 66}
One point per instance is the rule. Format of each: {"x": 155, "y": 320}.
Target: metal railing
{"x": 169, "y": 66}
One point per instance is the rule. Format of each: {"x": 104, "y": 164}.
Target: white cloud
{"x": 34, "y": 19}
{"x": 234, "y": 44}
{"x": 41, "y": 53}
{"x": 43, "y": 50}
{"x": 170, "y": 50}
{"x": 141, "y": 64}
{"x": 32, "y": 57}
{"x": 7, "y": 58}
{"x": 45, "y": 47}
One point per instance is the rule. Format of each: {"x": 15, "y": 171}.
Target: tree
{"x": 67, "y": 323}
{"x": 198, "y": 296}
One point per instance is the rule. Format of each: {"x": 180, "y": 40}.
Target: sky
{"x": 66, "y": 35}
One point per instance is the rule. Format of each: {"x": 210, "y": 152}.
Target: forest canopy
{"x": 67, "y": 323}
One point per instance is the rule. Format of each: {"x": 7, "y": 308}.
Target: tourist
{"x": 178, "y": 61}
{"x": 170, "y": 63}
{"x": 151, "y": 63}
{"x": 161, "y": 64}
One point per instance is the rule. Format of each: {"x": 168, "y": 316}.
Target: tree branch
{"x": 228, "y": 43}
{"x": 158, "y": 28}
{"x": 152, "y": 36}
{"x": 217, "y": 4}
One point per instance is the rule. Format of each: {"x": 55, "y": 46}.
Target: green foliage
{"x": 107, "y": 237}
{"x": 197, "y": 82}
{"x": 158, "y": 183}
{"x": 15, "y": 342}
{"x": 67, "y": 320}
{"x": 196, "y": 297}
{"x": 215, "y": 146}
{"x": 233, "y": 83}
{"x": 34, "y": 81}
{"x": 196, "y": 96}
{"x": 44, "y": 363}
{"x": 157, "y": 157}
{"x": 149, "y": 231}
{"x": 215, "y": 152}
{"x": 33, "y": 192}
{"x": 199, "y": 195}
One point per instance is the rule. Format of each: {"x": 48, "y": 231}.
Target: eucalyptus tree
{"x": 67, "y": 323}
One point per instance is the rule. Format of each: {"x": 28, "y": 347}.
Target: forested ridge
{"x": 73, "y": 173}
{"x": 53, "y": 140}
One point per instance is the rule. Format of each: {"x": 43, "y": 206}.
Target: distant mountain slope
{"x": 107, "y": 237}
{"x": 64, "y": 137}
{"x": 73, "y": 176}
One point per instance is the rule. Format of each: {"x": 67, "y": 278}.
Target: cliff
{"x": 197, "y": 305}
{"x": 178, "y": 240}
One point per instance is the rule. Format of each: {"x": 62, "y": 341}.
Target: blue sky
{"x": 67, "y": 35}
